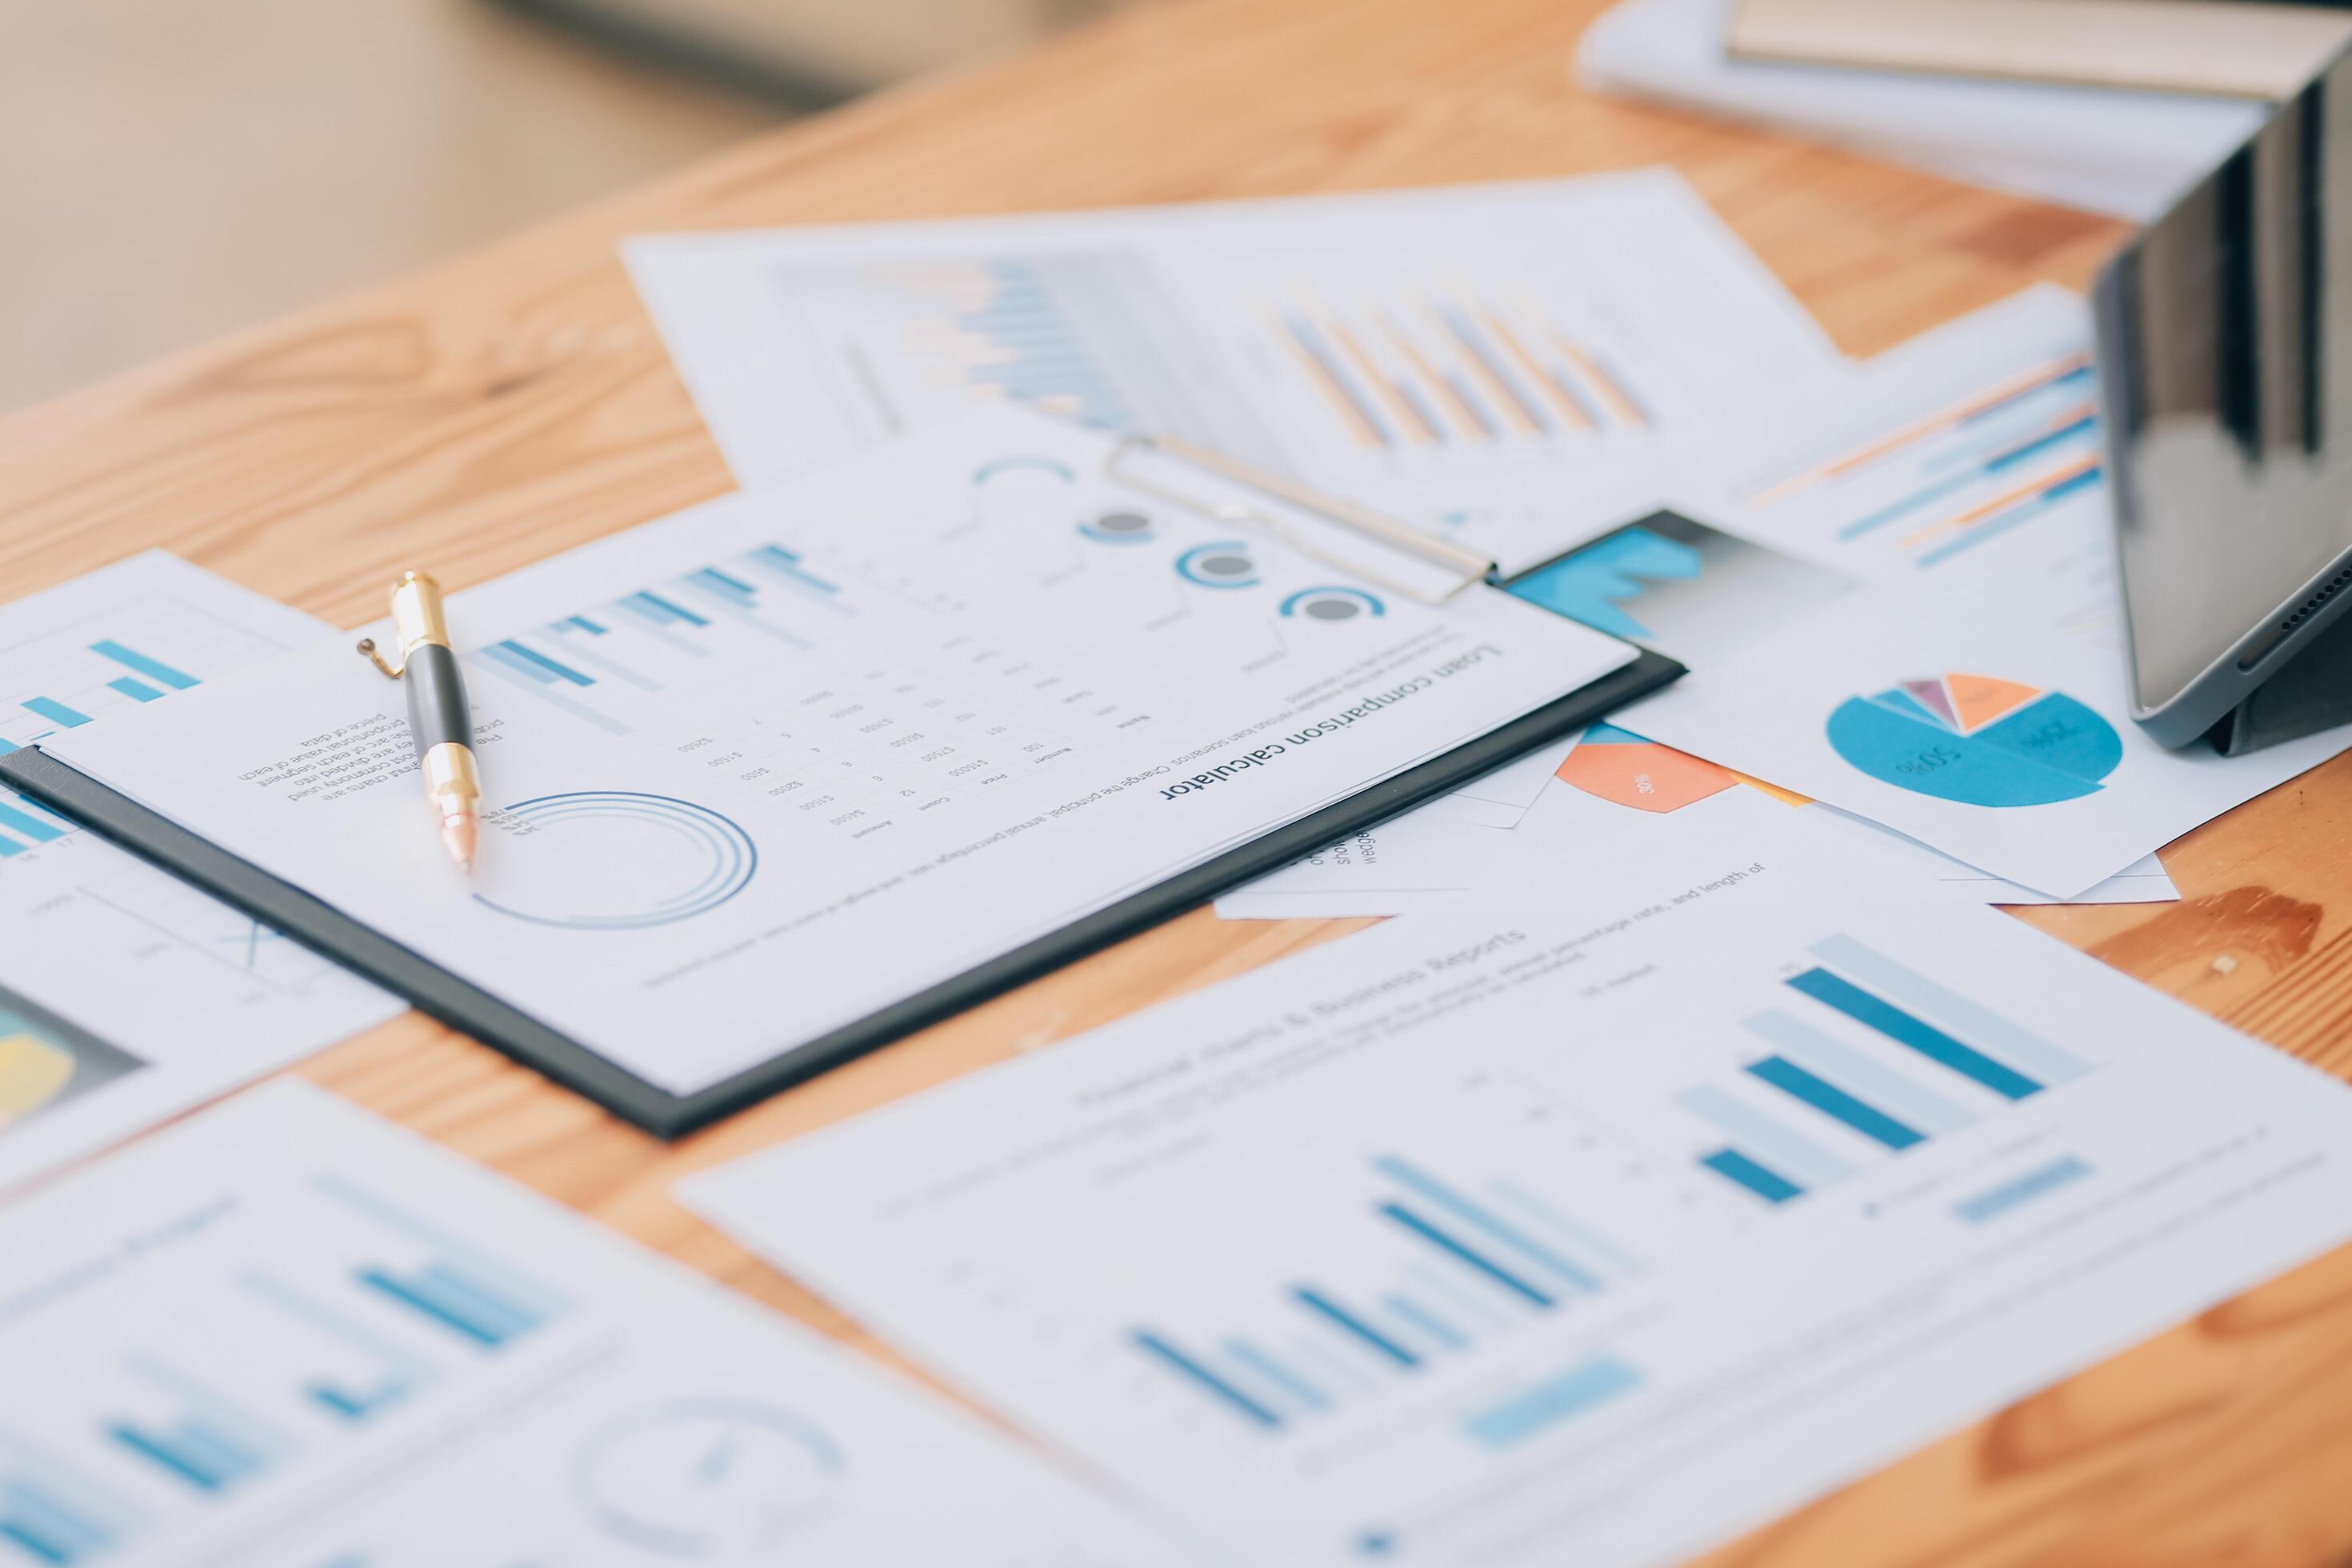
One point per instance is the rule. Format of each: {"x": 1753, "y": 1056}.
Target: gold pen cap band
{"x": 450, "y": 777}
{"x": 416, "y": 612}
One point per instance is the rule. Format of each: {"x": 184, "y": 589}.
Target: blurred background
{"x": 173, "y": 169}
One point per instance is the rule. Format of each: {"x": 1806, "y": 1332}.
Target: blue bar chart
{"x": 1868, "y": 1057}
{"x": 206, "y": 1441}
{"x": 78, "y": 674}
{"x": 51, "y": 1515}
{"x": 1462, "y": 1263}
{"x": 453, "y": 1286}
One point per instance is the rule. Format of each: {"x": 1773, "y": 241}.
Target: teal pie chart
{"x": 1978, "y": 740}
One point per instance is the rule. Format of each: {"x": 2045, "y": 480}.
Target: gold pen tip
{"x": 458, "y": 838}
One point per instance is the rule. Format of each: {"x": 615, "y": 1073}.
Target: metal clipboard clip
{"x": 1336, "y": 532}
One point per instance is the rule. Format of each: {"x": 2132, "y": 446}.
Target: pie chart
{"x": 1978, "y": 740}
{"x": 1620, "y": 766}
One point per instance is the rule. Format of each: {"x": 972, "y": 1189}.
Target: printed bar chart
{"x": 50, "y": 1516}
{"x": 454, "y": 1288}
{"x": 208, "y": 1441}
{"x": 1462, "y": 1261}
{"x": 1433, "y": 368}
{"x": 1883, "y": 1059}
{"x": 1962, "y": 475}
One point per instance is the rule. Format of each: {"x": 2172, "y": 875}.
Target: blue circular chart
{"x": 1978, "y": 739}
{"x": 1331, "y": 606}
{"x": 614, "y": 860}
{"x": 1225, "y": 565}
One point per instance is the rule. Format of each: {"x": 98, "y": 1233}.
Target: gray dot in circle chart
{"x": 1122, "y": 524}
{"x": 1223, "y": 566}
{"x": 1334, "y": 609}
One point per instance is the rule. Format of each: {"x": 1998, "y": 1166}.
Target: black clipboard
{"x": 473, "y": 1010}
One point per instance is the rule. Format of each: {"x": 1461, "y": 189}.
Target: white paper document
{"x": 1612, "y": 787}
{"x": 2111, "y": 150}
{"x": 1916, "y": 617}
{"x": 288, "y": 1335}
{"x": 126, "y": 996}
{"x": 1507, "y": 362}
{"x": 762, "y": 768}
{"x": 1584, "y": 1233}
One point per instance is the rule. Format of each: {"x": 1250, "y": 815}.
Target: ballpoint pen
{"x": 439, "y": 721}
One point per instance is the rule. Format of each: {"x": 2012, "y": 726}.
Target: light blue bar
{"x": 189, "y": 1469}
{"x": 782, "y": 561}
{"x": 1833, "y": 1057}
{"x": 711, "y": 580}
{"x": 1197, "y": 1374}
{"x": 1776, "y": 1146}
{"x": 9, "y": 847}
{"x": 1463, "y": 1207}
{"x": 1570, "y": 1393}
{"x": 539, "y": 685}
{"x": 1428, "y": 1322}
{"x": 1281, "y": 1376}
{"x": 53, "y": 1521}
{"x": 8, "y": 746}
{"x": 57, "y": 712}
{"x": 1999, "y": 1200}
{"x": 653, "y": 626}
{"x": 669, "y": 609}
{"x": 134, "y": 688}
{"x": 486, "y": 1298}
{"x": 513, "y": 659}
{"x": 2019, "y": 1046}
{"x": 31, "y": 827}
{"x": 294, "y": 1303}
{"x": 1582, "y": 1235}
{"x": 138, "y": 663}
{"x": 419, "y": 1297}
{"x": 511, "y": 1283}
{"x": 38, "y": 1547}
{"x": 556, "y": 668}
{"x": 223, "y": 1455}
{"x": 613, "y": 667}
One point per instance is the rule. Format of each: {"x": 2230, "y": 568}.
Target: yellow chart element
{"x": 33, "y": 1072}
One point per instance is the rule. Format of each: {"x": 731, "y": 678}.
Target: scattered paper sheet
{"x": 1917, "y": 619}
{"x": 770, "y": 737}
{"x": 1584, "y": 1231}
{"x": 126, "y": 996}
{"x": 2108, "y": 149}
{"x": 1613, "y": 787}
{"x": 287, "y": 1334}
{"x": 1506, "y": 363}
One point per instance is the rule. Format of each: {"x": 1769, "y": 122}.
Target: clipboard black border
{"x": 481, "y": 1014}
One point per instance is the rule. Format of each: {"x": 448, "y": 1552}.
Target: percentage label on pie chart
{"x": 1978, "y": 740}
{"x": 614, "y": 860}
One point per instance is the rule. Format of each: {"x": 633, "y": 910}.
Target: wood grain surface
{"x": 477, "y": 416}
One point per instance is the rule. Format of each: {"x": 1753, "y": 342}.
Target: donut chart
{"x": 1978, "y": 740}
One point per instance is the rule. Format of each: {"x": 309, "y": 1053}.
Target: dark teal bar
{"x": 1832, "y": 991}
{"x": 1330, "y": 1312}
{"x": 1167, "y": 1355}
{"x": 560, "y": 671}
{"x": 1768, "y": 1185}
{"x": 1463, "y": 1253}
{"x": 1830, "y": 1101}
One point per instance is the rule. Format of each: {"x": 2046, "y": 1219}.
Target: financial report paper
{"x": 125, "y": 995}
{"x": 1508, "y": 364}
{"x": 287, "y": 1335}
{"x": 758, "y": 769}
{"x": 1915, "y": 615}
{"x": 1585, "y": 1232}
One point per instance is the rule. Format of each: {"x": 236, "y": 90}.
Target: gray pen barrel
{"x": 437, "y": 711}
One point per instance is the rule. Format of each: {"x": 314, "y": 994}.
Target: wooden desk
{"x": 492, "y": 411}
